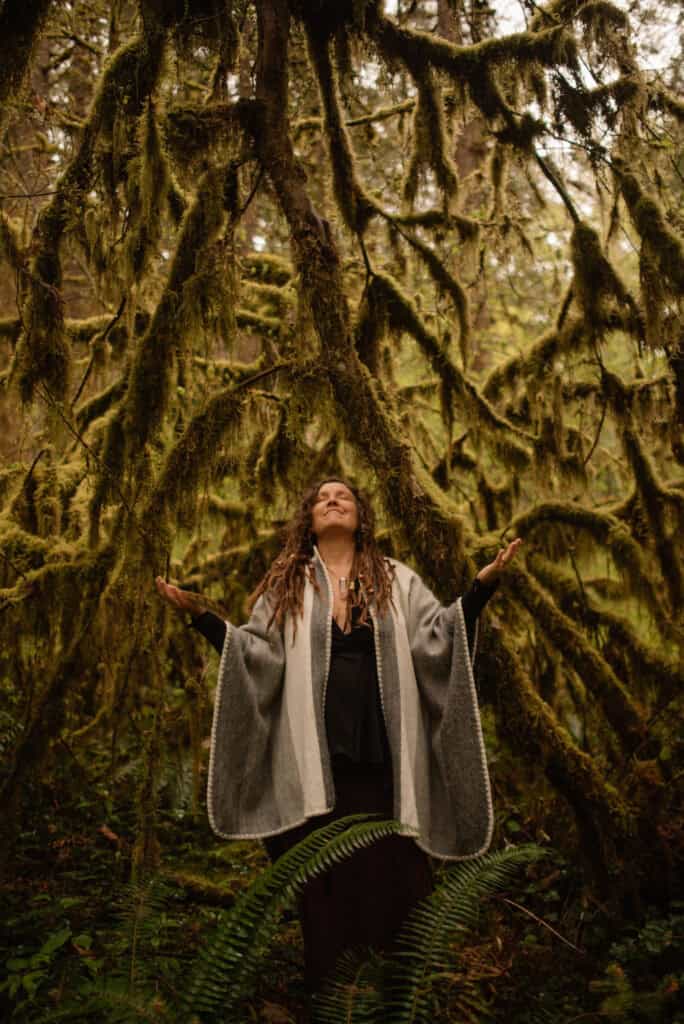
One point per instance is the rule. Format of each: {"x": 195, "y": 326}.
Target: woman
{"x": 350, "y": 689}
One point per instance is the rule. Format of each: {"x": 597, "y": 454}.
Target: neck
{"x": 338, "y": 553}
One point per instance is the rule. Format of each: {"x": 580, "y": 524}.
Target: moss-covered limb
{"x": 72, "y": 589}
{"x": 355, "y": 206}
{"x": 595, "y": 278}
{"x": 10, "y": 245}
{"x": 448, "y": 285}
{"x": 465, "y": 63}
{"x": 623, "y": 714}
{"x": 653, "y": 496}
{"x": 382, "y": 114}
{"x": 279, "y": 300}
{"x": 192, "y": 131}
{"x": 430, "y": 146}
{"x": 665, "y": 676}
{"x": 189, "y": 464}
{"x": 149, "y": 186}
{"x": 609, "y": 533}
{"x": 20, "y": 26}
{"x": 673, "y": 104}
{"x": 236, "y": 560}
{"x": 534, "y": 361}
{"x": 230, "y": 372}
{"x": 101, "y": 403}
{"x": 266, "y": 267}
{"x": 604, "y": 818}
{"x": 21, "y": 552}
{"x": 227, "y": 509}
{"x": 156, "y": 353}
{"x": 42, "y": 353}
{"x": 649, "y": 220}
{"x": 404, "y": 316}
{"x": 468, "y": 228}
{"x": 84, "y": 330}
{"x": 267, "y": 326}
{"x": 202, "y": 890}
{"x": 435, "y": 533}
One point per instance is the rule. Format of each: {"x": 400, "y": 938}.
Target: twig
{"x": 251, "y": 195}
{"x": 541, "y": 921}
{"x": 598, "y": 432}
{"x": 110, "y": 325}
{"x": 27, "y": 195}
{"x": 263, "y": 373}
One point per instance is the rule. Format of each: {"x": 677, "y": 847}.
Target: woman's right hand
{"x": 181, "y": 600}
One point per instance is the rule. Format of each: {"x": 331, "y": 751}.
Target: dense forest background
{"x": 436, "y": 247}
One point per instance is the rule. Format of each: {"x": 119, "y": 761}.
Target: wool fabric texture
{"x": 270, "y": 767}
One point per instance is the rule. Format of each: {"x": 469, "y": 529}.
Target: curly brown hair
{"x": 284, "y": 581}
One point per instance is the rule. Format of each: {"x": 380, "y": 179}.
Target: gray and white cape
{"x": 270, "y": 767}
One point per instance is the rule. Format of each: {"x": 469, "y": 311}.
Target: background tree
{"x": 246, "y": 244}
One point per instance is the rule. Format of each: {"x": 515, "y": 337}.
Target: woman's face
{"x": 334, "y": 510}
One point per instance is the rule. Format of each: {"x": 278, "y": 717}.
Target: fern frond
{"x": 140, "y": 905}
{"x": 227, "y": 968}
{"x": 453, "y": 909}
{"x": 404, "y": 992}
{"x": 355, "y": 992}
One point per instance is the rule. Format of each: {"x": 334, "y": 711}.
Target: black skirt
{"x": 363, "y": 901}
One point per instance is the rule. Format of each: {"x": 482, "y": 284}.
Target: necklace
{"x": 343, "y": 584}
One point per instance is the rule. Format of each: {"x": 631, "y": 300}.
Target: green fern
{"x": 140, "y": 905}
{"x": 226, "y": 970}
{"x": 425, "y": 948}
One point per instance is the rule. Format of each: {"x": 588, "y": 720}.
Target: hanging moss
{"x": 111, "y": 469}
{"x": 371, "y": 325}
{"x": 449, "y": 285}
{"x": 189, "y": 465}
{"x": 609, "y": 533}
{"x": 430, "y": 148}
{"x": 648, "y": 665}
{"x": 595, "y": 279}
{"x": 653, "y": 497}
{"x": 621, "y": 711}
{"x": 537, "y": 361}
{"x": 649, "y": 220}
{"x": 149, "y": 188}
{"x": 149, "y": 383}
{"x": 355, "y": 206}
{"x": 403, "y": 316}
{"x": 192, "y": 131}
{"x": 20, "y": 27}
{"x": 605, "y": 820}
{"x": 279, "y": 453}
{"x": 42, "y": 354}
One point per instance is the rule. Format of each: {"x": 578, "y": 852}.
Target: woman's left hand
{"x": 493, "y": 571}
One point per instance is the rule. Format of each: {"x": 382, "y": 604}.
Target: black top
{"x": 354, "y": 721}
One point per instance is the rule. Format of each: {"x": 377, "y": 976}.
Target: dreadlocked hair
{"x": 284, "y": 582}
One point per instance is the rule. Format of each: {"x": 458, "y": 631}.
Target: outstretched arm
{"x": 492, "y": 572}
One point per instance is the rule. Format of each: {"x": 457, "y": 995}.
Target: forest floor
{"x": 75, "y": 926}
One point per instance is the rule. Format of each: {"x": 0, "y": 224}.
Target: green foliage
{"x": 426, "y": 949}
{"x": 644, "y": 980}
{"x": 227, "y": 968}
